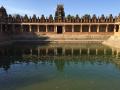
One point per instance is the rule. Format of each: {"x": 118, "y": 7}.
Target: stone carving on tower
{"x": 60, "y": 14}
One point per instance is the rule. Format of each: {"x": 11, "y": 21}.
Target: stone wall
{"x": 61, "y": 37}
{"x": 5, "y": 39}
{"x": 55, "y": 38}
{"x": 113, "y": 41}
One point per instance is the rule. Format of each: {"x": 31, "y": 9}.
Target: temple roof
{"x": 2, "y": 8}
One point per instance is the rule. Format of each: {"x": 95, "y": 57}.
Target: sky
{"x": 72, "y": 7}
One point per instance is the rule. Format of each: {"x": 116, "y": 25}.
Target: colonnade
{"x": 63, "y": 51}
{"x": 65, "y": 27}
{"x": 72, "y": 51}
{"x": 0, "y": 27}
{"x": 3, "y": 27}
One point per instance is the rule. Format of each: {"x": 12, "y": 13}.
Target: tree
{"x": 26, "y": 18}
{"x": 111, "y": 18}
{"x": 77, "y": 18}
{"x": 42, "y": 18}
{"x": 10, "y": 18}
{"x": 51, "y": 18}
{"x": 18, "y": 17}
{"x": 69, "y": 18}
{"x": 86, "y": 18}
{"x": 34, "y": 18}
{"x": 102, "y": 18}
{"x": 94, "y": 18}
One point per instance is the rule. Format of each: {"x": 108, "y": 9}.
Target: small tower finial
{"x": 59, "y": 2}
{"x": 2, "y": 7}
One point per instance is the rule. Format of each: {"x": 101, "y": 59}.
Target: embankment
{"x": 113, "y": 41}
{"x": 5, "y": 39}
{"x": 60, "y": 38}
{"x": 54, "y": 38}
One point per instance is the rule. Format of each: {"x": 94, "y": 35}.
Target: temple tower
{"x": 59, "y": 14}
{"x": 60, "y": 17}
{"x": 3, "y": 19}
{"x": 3, "y": 14}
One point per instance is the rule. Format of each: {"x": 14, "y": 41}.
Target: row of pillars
{"x": 55, "y": 28}
{"x": 63, "y": 52}
{"x": 63, "y": 28}
{"x": 89, "y": 30}
{"x": 70, "y": 51}
{"x": 1, "y": 28}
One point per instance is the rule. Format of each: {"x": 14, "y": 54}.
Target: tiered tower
{"x": 3, "y": 14}
{"x": 60, "y": 13}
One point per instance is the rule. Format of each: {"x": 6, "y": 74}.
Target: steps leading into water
{"x": 62, "y": 37}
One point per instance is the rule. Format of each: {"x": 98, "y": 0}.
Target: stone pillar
{"x": 30, "y": 28}
{"x": 31, "y": 52}
{"x": 81, "y": 28}
{"x": 6, "y": 28}
{"x": 98, "y": 28}
{"x": 106, "y": 28}
{"x": 89, "y": 28}
{"x": 104, "y": 51}
{"x": 88, "y": 51}
{"x": 96, "y": 51}
{"x": 114, "y": 28}
{"x": 46, "y": 29}
{"x": 72, "y": 28}
{"x": 112, "y": 51}
{"x": 63, "y": 29}
{"x": 80, "y": 51}
{"x": 46, "y": 51}
{"x": 1, "y": 28}
{"x": 63, "y": 51}
{"x": 55, "y": 28}
{"x": 117, "y": 53}
{"x": 72, "y": 51}
{"x": 37, "y": 28}
{"x": 119, "y": 29}
{"x": 55, "y": 50}
{"x": 21, "y": 28}
{"x": 13, "y": 27}
{"x": 38, "y": 52}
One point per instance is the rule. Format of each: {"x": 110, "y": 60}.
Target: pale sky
{"x": 72, "y": 7}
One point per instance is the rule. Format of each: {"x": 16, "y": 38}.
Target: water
{"x": 59, "y": 67}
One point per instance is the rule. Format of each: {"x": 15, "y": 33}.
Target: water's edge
{"x": 113, "y": 41}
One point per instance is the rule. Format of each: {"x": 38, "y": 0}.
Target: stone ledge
{"x": 113, "y": 41}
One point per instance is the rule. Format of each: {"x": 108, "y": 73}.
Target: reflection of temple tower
{"x": 59, "y": 14}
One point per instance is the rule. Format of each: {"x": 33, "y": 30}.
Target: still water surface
{"x": 59, "y": 67}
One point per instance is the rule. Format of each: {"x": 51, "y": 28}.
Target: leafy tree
{"x": 42, "y": 18}
{"x": 51, "y": 17}
{"x": 26, "y": 18}
{"x": 34, "y": 18}
{"x": 77, "y": 16}
{"x": 94, "y": 16}
{"x": 102, "y": 16}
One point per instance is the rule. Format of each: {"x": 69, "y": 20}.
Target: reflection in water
{"x": 59, "y": 67}
{"x": 58, "y": 54}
